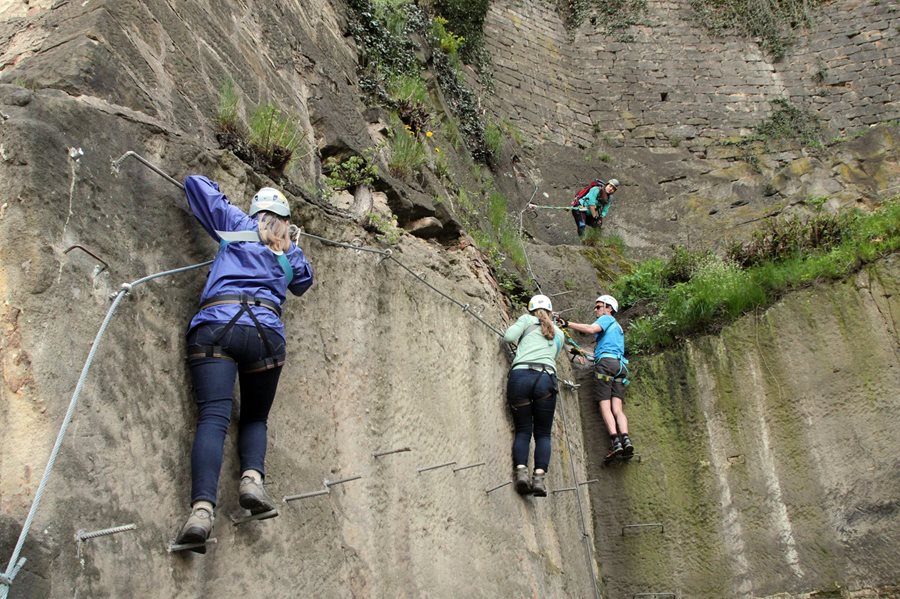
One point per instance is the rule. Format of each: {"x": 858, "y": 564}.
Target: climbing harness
{"x": 623, "y": 370}
{"x": 214, "y": 350}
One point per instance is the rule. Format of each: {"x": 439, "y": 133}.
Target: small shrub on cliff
{"x": 275, "y": 135}
{"x": 408, "y": 155}
{"x": 465, "y": 18}
{"x": 227, "y": 115}
{"x": 349, "y": 173}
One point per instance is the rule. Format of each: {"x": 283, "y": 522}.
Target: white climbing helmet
{"x": 271, "y": 200}
{"x": 610, "y": 300}
{"x": 614, "y": 183}
{"x": 540, "y": 302}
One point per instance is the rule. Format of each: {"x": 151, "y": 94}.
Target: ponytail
{"x": 547, "y": 328}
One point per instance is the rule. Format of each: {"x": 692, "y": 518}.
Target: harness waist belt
{"x": 538, "y": 367}
{"x": 609, "y": 356}
{"x": 249, "y": 300}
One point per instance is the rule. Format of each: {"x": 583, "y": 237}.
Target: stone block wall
{"x": 673, "y": 82}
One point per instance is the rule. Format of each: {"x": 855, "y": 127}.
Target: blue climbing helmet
{"x": 270, "y": 200}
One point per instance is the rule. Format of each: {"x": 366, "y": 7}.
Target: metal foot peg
{"x": 176, "y": 547}
{"x": 237, "y": 521}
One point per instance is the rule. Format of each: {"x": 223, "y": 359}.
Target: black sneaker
{"x": 627, "y": 448}
{"x": 615, "y": 451}
{"x": 522, "y": 481}
{"x": 538, "y": 488}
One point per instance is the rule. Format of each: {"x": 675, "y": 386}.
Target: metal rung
{"x": 427, "y": 468}
{"x": 331, "y": 483}
{"x": 647, "y": 525}
{"x": 389, "y": 452}
{"x": 586, "y": 482}
{"x": 261, "y": 516}
{"x": 173, "y": 547}
{"x": 492, "y": 489}
{"x": 288, "y": 498}
{"x": 82, "y": 536}
{"x": 663, "y": 594}
{"x": 469, "y": 466}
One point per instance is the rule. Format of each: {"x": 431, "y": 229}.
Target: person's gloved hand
{"x": 562, "y": 322}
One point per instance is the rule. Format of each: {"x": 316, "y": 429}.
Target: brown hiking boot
{"x": 197, "y": 528}
{"x": 253, "y": 496}
{"x": 522, "y": 481}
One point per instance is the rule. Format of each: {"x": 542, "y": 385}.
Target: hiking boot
{"x": 522, "y": 481}
{"x": 538, "y": 488}
{"x": 253, "y": 496}
{"x": 627, "y": 448}
{"x": 197, "y": 528}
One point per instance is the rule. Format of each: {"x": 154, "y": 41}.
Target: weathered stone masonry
{"x": 674, "y": 83}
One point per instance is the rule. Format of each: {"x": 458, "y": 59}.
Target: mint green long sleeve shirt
{"x": 534, "y": 348}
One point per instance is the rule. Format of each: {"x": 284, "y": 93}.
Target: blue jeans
{"x": 531, "y": 395}
{"x": 213, "y": 380}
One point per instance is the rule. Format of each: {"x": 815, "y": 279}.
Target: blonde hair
{"x": 274, "y": 231}
{"x": 547, "y": 328}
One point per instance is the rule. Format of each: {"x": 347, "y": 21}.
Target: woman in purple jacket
{"x": 238, "y": 332}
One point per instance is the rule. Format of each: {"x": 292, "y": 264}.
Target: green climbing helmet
{"x": 270, "y": 200}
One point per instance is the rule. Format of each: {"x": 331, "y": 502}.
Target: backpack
{"x": 584, "y": 192}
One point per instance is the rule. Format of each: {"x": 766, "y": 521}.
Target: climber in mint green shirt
{"x": 531, "y": 391}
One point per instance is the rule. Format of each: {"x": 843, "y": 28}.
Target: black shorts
{"x": 605, "y": 390}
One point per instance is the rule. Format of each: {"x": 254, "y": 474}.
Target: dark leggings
{"x": 213, "y": 380}
{"x": 531, "y": 395}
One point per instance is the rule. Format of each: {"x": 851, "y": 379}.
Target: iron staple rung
{"x": 391, "y": 451}
{"x": 662, "y": 528}
{"x": 288, "y": 498}
{"x": 492, "y": 489}
{"x": 468, "y": 466}
{"x": 427, "y": 468}
{"x": 663, "y": 594}
{"x": 84, "y": 536}
{"x": 563, "y": 490}
{"x": 331, "y": 483}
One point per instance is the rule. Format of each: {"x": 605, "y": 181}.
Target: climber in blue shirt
{"x": 611, "y": 372}
{"x": 238, "y": 333}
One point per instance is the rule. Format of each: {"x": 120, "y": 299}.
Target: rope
{"x": 12, "y": 567}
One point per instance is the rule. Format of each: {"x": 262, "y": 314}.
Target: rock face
{"x": 379, "y": 361}
{"x": 768, "y": 454}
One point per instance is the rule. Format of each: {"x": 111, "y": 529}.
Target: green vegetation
{"x": 388, "y": 231}
{"x": 349, "y": 173}
{"x": 786, "y": 123}
{"x": 274, "y": 134}
{"x": 698, "y": 292}
{"x": 272, "y": 139}
{"x": 408, "y": 155}
{"x": 466, "y": 19}
{"x": 227, "y": 115}
{"x": 493, "y": 140}
{"x": 612, "y": 17}
{"x": 772, "y": 22}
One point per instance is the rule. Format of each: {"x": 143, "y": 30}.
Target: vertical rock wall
{"x": 768, "y": 454}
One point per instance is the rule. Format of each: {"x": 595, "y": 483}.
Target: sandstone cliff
{"x": 766, "y": 453}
